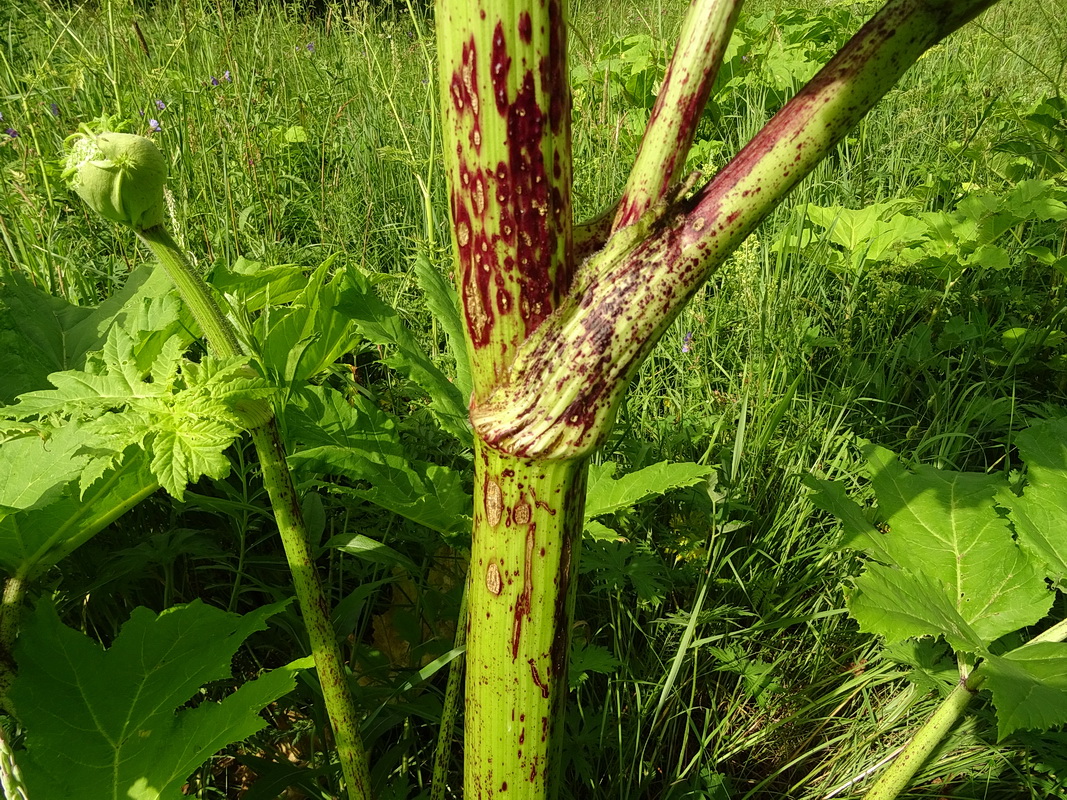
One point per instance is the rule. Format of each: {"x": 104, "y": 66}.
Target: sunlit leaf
{"x": 113, "y": 723}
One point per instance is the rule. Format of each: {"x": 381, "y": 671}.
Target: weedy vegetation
{"x": 404, "y": 282}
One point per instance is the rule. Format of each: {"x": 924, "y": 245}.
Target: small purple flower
{"x": 214, "y": 81}
{"x": 160, "y": 105}
{"x": 226, "y": 76}
{"x": 687, "y": 340}
{"x": 311, "y": 47}
{"x": 154, "y": 125}
{"x": 14, "y": 134}
{"x": 54, "y": 108}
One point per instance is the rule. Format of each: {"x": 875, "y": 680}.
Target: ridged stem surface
{"x": 528, "y": 518}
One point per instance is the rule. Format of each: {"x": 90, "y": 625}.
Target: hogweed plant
{"x": 557, "y": 318}
{"x": 121, "y": 176}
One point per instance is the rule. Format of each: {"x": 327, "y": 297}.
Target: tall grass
{"x": 293, "y": 137}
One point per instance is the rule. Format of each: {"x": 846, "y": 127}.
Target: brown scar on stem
{"x": 494, "y": 503}
{"x": 524, "y": 604}
{"x": 522, "y": 513}
{"x": 492, "y": 579}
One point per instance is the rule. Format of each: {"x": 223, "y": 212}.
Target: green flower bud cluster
{"x": 118, "y": 175}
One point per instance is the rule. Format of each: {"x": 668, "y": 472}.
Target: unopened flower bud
{"x": 118, "y": 175}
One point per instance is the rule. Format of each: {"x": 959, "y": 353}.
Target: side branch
{"x": 672, "y": 125}
{"x": 560, "y": 396}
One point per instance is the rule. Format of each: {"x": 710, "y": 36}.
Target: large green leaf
{"x": 1040, "y": 515}
{"x": 302, "y": 339}
{"x": 36, "y": 538}
{"x": 184, "y": 413}
{"x": 379, "y": 323}
{"x": 252, "y": 285}
{"x": 111, "y": 723}
{"x": 899, "y": 605}
{"x": 945, "y": 526}
{"x": 41, "y": 334}
{"x": 1029, "y": 687}
{"x": 35, "y": 469}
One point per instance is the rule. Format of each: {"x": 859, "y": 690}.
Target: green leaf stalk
{"x": 120, "y": 177}
{"x": 558, "y": 318}
{"x": 902, "y": 770}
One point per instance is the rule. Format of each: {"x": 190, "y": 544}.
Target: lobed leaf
{"x": 303, "y": 339}
{"x": 1039, "y": 513}
{"x": 945, "y": 527}
{"x": 359, "y": 442}
{"x": 899, "y": 605}
{"x": 1029, "y": 687}
{"x": 103, "y": 723}
{"x": 35, "y": 538}
{"x": 41, "y": 334}
{"x": 35, "y": 469}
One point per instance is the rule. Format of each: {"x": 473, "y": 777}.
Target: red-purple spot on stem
{"x": 541, "y": 684}
{"x": 525, "y": 27}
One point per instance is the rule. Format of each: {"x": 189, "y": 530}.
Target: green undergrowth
{"x": 908, "y": 295}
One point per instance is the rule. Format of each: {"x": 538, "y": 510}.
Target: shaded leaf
{"x": 359, "y": 442}
{"x": 607, "y": 494}
{"x": 380, "y": 324}
{"x": 35, "y": 469}
{"x": 36, "y": 538}
{"x": 858, "y": 532}
{"x": 371, "y": 550}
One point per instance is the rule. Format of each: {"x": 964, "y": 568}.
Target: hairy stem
{"x": 296, "y": 541}
{"x": 559, "y": 396}
{"x": 899, "y": 773}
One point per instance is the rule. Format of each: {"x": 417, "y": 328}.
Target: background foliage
{"x": 909, "y": 294}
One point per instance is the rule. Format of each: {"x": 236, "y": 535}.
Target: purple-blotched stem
{"x": 554, "y": 344}
{"x": 567, "y": 379}
{"x": 679, "y": 105}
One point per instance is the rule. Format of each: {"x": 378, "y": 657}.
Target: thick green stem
{"x": 528, "y": 520}
{"x": 898, "y": 775}
{"x": 555, "y": 341}
{"x": 566, "y": 379}
{"x": 194, "y": 291}
{"x": 336, "y": 691}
